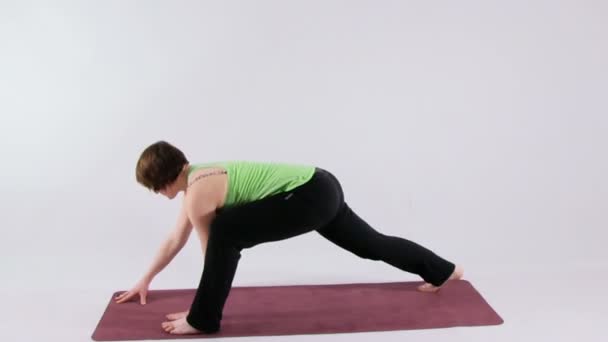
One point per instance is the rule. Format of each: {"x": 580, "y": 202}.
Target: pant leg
{"x": 273, "y": 218}
{"x": 221, "y": 261}
{"x": 352, "y": 233}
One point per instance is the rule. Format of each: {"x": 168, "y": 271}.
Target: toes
{"x": 458, "y": 272}
{"x": 167, "y": 326}
{"x": 428, "y": 288}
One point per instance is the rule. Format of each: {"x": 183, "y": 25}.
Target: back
{"x": 249, "y": 180}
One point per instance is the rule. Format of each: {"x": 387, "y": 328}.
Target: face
{"x": 172, "y": 189}
{"x": 169, "y": 191}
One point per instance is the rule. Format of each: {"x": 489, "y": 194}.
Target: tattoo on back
{"x": 207, "y": 174}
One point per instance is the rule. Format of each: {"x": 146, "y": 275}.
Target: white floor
{"x": 536, "y": 304}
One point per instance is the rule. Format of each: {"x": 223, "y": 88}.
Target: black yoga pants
{"x": 317, "y": 205}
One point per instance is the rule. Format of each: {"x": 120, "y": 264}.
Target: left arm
{"x": 202, "y": 224}
{"x": 201, "y": 206}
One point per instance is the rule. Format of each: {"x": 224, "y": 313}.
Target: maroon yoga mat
{"x": 306, "y": 309}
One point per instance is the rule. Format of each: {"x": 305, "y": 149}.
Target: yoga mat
{"x": 306, "y": 309}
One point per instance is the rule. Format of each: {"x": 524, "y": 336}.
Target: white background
{"x": 475, "y": 128}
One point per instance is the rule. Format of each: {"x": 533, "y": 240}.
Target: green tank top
{"x": 249, "y": 180}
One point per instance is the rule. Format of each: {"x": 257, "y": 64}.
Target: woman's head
{"x": 159, "y": 165}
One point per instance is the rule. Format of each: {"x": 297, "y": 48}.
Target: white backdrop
{"x": 476, "y": 128}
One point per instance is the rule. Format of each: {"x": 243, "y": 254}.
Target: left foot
{"x": 180, "y": 327}
{"x": 456, "y": 275}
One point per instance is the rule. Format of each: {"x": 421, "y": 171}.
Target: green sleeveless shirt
{"x": 249, "y": 180}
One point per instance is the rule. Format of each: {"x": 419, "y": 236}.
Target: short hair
{"x": 159, "y": 165}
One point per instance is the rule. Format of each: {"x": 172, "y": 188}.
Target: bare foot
{"x": 179, "y": 327}
{"x": 177, "y": 315}
{"x": 456, "y": 275}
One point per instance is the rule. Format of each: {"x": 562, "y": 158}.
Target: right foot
{"x": 178, "y": 315}
{"x": 456, "y": 275}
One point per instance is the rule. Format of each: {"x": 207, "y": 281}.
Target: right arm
{"x": 168, "y": 250}
{"x": 171, "y": 246}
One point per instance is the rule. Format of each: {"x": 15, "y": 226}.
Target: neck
{"x": 182, "y": 179}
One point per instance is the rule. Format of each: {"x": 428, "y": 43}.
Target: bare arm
{"x": 168, "y": 250}
{"x": 201, "y": 205}
{"x": 202, "y": 229}
{"x": 171, "y": 246}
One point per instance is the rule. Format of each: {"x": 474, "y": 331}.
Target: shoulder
{"x": 201, "y": 195}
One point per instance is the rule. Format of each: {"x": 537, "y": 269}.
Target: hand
{"x": 140, "y": 288}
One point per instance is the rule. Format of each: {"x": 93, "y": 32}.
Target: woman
{"x": 239, "y": 204}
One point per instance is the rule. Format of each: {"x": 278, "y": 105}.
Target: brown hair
{"x": 159, "y": 165}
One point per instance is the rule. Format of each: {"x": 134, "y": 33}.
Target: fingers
{"x": 125, "y": 296}
{"x": 120, "y": 296}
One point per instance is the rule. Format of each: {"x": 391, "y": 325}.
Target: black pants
{"x": 317, "y": 205}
